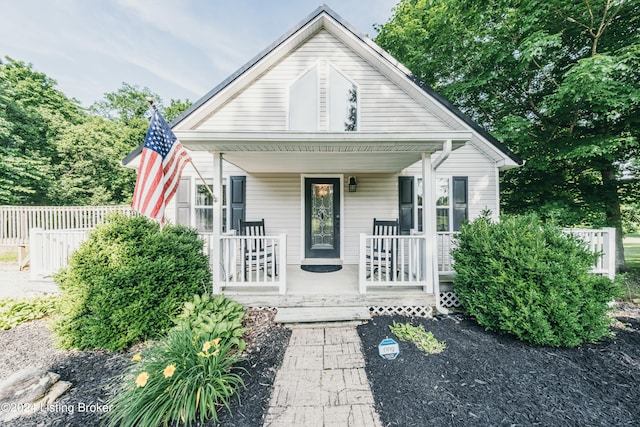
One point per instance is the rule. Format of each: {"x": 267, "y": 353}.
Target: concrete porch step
{"x": 321, "y": 314}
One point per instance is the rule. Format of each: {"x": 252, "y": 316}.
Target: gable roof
{"x": 373, "y": 49}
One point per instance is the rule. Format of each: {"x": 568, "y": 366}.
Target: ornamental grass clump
{"x": 190, "y": 374}
{"x": 181, "y": 380}
{"x": 532, "y": 280}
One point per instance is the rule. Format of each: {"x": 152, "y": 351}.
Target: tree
{"x": 33, "y": 113}
{"x": 89, "y": 169}
{"x": 558, "y": 81}
{"x": 128, "y": 104}
{"x": 175, "y": 108}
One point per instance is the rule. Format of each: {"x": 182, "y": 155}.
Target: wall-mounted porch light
{"x": 353, "y": 184}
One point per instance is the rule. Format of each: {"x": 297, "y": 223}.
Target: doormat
{"x": 321, "y": 268}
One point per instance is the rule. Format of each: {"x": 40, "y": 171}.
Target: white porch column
{"x": 216, "y": 251}
{"x": 429, "y": 222}
{"x": 432, "y": 235}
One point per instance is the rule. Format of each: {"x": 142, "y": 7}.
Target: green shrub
{"x": 189, "y": 375}
{"x": 14, "y": 311}
{"x": 182, "y": 379}
{"x": 127, "y": 281}
{"x": 531, "y": 280}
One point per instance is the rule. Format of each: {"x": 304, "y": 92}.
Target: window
{"x": 451, "y": 203}
{"x": 442, "y": 204}
{"x": 303, "y": 102}
{"x": 204, "y": 207}
{"x": 343, "y": 103}
{"x": 338, "y": 110}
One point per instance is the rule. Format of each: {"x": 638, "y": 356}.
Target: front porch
{"x": 401, "y": 268}
{"x": 322, "y": 292}
{"x": 339, "y": 288}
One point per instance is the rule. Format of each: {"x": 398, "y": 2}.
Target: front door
{"x": 322, "y": 217}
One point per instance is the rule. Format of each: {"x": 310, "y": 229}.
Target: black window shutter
{"x": 405, "y": 203}
{"x": 183, "y": 202}
{"x": 238, "y": 200}
{"x": 460, "y": 203}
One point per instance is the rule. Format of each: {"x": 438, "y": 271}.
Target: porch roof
{"x": 317, "y": 152}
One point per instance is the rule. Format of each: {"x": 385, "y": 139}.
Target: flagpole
{"x": 153, "y": 105}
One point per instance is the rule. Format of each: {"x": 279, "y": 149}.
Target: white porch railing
{"x": 603, "y": 243}
{"x": 600, "y": 241}
{"x": 392, "y": 261}
{"x": 16, "y": 221}
{"x": 51, "y": 249}
{"x": 446, "y": 243}
{"x": 251, "y": 261}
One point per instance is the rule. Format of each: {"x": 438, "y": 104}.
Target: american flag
{"x": 163, "y": 159}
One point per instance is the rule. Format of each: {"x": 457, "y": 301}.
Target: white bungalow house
{"x": 318, "y": 135}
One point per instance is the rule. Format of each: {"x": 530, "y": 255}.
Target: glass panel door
{"x": 322, "y": 217}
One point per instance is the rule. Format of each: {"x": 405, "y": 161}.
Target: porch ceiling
{"x": 306, "y": 152}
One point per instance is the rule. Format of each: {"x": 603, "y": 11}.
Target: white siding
{"x": 263, "y": 104}
{"x": 276, "y": 198}
{"x": 376, "y": 197}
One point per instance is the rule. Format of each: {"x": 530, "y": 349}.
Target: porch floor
{"x": 340, "y": 288}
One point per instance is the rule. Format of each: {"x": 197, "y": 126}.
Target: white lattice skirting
{"x": 411, "y": 311}
{"x": 449, "y": 300}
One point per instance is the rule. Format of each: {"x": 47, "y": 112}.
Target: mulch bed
{"x": 484, "y": 378}
{"x": 91, "y": 371}
{"x": 481, "y": 378}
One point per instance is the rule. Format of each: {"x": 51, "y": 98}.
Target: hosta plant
{"x": 218, "y": 316}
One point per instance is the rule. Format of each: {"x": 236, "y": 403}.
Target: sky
{"x": 179, "y": 49}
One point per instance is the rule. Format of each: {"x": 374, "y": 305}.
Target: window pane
{"x": 343, "y": 103}
{"x": 303, "y": 102}
{"x": 419, "y": 191}
{"x": 442, "y": 192}
{"x": 322, "y": 216}
{"x": 203, "y": 197}
{"x": 442, "y": 219}
{"x": 204, "y": 219}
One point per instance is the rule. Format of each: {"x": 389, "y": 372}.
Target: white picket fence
{"x": 51, "y": 250}
{"x": 16, "y": 221}
{"x": 603, "y": 243}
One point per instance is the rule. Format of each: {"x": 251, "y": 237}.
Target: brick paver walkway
{"x": 322, "y": 381}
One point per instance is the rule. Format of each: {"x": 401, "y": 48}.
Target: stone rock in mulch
{"x": 28, "y": 391}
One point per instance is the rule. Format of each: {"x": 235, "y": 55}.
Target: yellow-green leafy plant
{"x": 424, "y": 340}
{"x": 219, "y": 316}
{"x": 14, "y": 311}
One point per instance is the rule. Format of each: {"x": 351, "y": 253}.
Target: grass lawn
{"x": 8, "y": 254}
{"x": 632, "y": 257}
{"x": 632, "y": 250}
